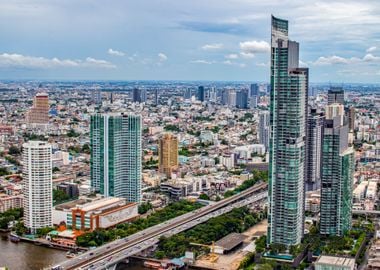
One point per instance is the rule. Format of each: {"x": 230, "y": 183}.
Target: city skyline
{"x": 150, "y": 40}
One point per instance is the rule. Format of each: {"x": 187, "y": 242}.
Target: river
{"x": 27, "y": 256}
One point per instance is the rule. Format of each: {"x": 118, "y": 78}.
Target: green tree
{"x": 204, "y": 196}
{"x": 144, "y": 207}
{"x": 14, "y": 150}
{"x": 59, "y": 196}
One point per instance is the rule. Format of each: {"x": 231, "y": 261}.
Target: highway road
{"x": 108, "y": 254}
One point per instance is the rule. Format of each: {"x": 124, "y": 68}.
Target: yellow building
{"x": 39, "y": 113}
{"x": 168, "y": 154}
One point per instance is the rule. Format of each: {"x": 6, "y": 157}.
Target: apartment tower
{"x": 288, "y": 115}
{"x": 168, "y": 154}
{"x": 37, "y": 185}
{"x": 116, "y": 155}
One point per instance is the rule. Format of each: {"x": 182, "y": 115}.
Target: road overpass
{"x": 108, "y": 255}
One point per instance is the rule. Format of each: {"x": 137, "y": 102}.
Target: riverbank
{"x": 46, "y": 243}
{"x": 25, "y": 255}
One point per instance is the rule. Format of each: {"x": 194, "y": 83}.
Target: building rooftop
{"x": 230, "y": 241}
{"x": 337, "y": 261}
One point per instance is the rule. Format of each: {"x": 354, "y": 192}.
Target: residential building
{"x": 264, "y": 129}
{"x": 335, "y": 95}
{"x": 116, "y": 155}
{"x": 288, "y": 111}
{"x": 8, "y": 202}
{"x": 37, "y": 184}
{"x": 39, "y": 113}
{"x": 254, "y": 95}
{"x": 138, "y": 95}
{"x": 242, "y": 99}
{"x": 337, "y": 176}
{"x": 168, "y": 154}
{"x": 351, "y": 118}
{"x": 315, "y": 122}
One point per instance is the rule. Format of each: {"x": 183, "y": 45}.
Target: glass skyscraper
{"x": 288, "y": 114}
{"x": 116, "y": 155}
{"x": 337, "y": 175}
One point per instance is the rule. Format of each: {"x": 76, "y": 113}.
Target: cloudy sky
{"x": 185, "y": 40}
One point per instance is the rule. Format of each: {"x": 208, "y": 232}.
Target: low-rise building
{"x": 8, "y": 202}
{"x": 87, "y": 214}
{"x": 335, "y": 263}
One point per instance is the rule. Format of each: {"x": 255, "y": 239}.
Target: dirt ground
{"x": 232, "y": 260}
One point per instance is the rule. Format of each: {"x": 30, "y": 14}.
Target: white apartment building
{"x": 37, "y": 175}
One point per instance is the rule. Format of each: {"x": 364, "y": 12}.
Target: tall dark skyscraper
{"x": 315, "y": 122}
{"x": 337, "y": 175}
{"x": 288, "y": 115}
{"x": 335, "y": 95}
{"x": 156, "y": 96}
{"x": 254, "y": 90}
{"x": 254, "y": 95}
{"x": 242, "y": 99}
{"x": 187, "y": 93}
{"x": 201, "y": 93}
{"x": 138, "y": 95}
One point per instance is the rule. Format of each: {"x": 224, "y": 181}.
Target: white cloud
{"x": 334, "y": 59}
{"x": 254, "y": 46}
{"x": 262, "y": 64}
{"x": 247, "y": 55}
{"x": 303, "y": 64}
{"x": 371, "y": 49}
{"x": 371, "y": 58}
{"x": 115, "y": 52}
{"x": 24, "y": 61}
{"x": 211, "y": 47}
{"x": 162, "y": 57}
{"x": 232, "y": 56}
{"x": 201, "y": 61}
{"x": 230, "y": 63}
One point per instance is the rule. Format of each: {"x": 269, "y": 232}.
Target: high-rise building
{"x": 156, "y": 96}
{"x": 351, "y": 118}
{"x": 37, "y": 185}
{"x": 213, "y": 94}
{"x": 232, "y": 98}
{"x": 315, "y": 123}
{"x": 39, "y": 113}
{"x": 337, "y": 177}
{"x": 264, "y": 129}
{"x": 201, "y": 93}
{"x": 168, "y": 154}
{"x": 335, "y": 95}
{"x": 254, "y": 90}
{"x": 187, "y": 94}
{"x": 138, "y": 95}
{"x": 224, "y": 96}
{"x": 333, "y": 110}
{"x": 242, "y": 99}
{"x": 116, "y": 155}
{"x": 288, "y": 114}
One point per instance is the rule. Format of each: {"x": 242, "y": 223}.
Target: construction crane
{"x": 212, "y": 257}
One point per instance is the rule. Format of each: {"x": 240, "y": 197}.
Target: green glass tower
{"x": 337, "y": 174}
{"x": 288, "y": 116}
{"x": 116, "y": 155}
